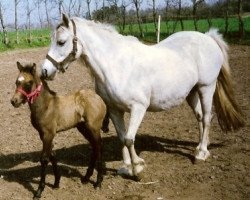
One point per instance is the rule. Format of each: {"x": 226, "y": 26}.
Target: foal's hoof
{"x": 97, "y": 185}
{"x": 55, "y": 186}
{"x": 84, "y": 180}
{"x": 37, "y": 197}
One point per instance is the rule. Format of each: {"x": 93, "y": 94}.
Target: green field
{"x": 41, "y": 37}
{"x": 167, "y": 28}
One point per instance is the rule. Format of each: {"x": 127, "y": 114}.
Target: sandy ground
{"x": 165, "y": 140}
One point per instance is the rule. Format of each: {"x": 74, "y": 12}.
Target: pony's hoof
{"x": 125, "y": 170}
{"x": 201, "y": 156}
{"x": 138, "y": 177}
{"x": 138, "y": 168}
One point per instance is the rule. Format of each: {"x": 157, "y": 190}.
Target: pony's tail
{"x": 228, "y": 112}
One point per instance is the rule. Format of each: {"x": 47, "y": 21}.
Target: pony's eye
{"x": 60, "y": 43}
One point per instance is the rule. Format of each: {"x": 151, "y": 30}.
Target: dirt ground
{"x": 165, "y": 140}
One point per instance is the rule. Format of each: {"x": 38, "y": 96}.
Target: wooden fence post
{"x": 159, "y": 29}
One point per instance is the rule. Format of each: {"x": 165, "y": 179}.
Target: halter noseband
{"x": 59, "y": 65}
{"x": 31, "y": 97}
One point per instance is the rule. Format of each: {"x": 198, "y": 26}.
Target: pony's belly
{"x": 164, "y": 104}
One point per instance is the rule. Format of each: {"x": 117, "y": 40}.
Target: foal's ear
{"x": 33, "y": 69}
{"x": 19, "y": 66}
{"x": 65, "y": 20}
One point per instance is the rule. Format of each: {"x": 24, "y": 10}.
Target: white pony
{"x": 133, "y": 77}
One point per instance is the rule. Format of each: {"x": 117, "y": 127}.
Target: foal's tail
{"x": 228, "y": 112}
{"x": 105, "y": 123}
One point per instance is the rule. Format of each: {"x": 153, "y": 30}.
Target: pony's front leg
{"x": 137, "y": 114}
{"x": 117, "y": 118}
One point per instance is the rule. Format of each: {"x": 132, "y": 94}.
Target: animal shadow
{"x": 78, "y": 155}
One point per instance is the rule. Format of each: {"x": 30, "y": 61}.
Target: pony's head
{"x": 27, "y": 86}
{"x": 64, "y": 48}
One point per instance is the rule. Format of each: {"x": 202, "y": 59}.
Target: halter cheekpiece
{"x": 31, "y": 97}
{"x": 72, "y": 54}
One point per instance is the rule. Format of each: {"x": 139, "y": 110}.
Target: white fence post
{"x": 159, "y": 29}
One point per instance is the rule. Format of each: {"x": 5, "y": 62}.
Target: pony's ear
{"x": 65, "y": 20}
{"x": 33, "y": 69}
{"x": 19, "y": 66}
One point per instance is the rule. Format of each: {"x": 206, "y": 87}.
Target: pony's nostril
{"x": 45, "y": 73}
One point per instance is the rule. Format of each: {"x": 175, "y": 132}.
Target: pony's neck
{"x": 97, "y": 42}
{"x": 41, "y": 102}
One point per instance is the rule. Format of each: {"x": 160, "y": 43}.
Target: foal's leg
{"x": 206, "y": 97}
{"x": 94, "y": 138}
{"x": 117, "y": 118}
{"x": 46, "y": 153}
{"x": 137, "y": 113}
{"x": 56, "y": 171}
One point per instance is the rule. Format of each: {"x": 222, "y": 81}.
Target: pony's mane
{"x": 96, "y": 24}
{"x": 105, "y": 27}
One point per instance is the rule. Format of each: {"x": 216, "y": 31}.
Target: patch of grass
{"x": 170, "y": 27}
{"x": 39, "y": 38}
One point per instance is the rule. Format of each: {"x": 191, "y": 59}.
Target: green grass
{"x": 168, "y": 27}
{"x": 41, "y": 37}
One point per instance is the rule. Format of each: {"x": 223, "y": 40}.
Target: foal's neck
{"x": 41, "y": 102}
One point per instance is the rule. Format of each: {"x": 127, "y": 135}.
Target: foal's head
{"x": 28, "y": 85}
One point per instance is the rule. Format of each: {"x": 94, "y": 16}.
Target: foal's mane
{"x": 37, "y": 77}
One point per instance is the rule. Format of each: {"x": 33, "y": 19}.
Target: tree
{"x": 47, "y": 13}
{"x": 137, "y": 4}
{"x": 5, "y": 37}
{"x": 154, "y": 16}
{"x": 28, "y": 12}
{"x": 226, "y": 17}
{"x": 241, "y": 23}
{"x": 16, "y": 22}
{"x": 195, "y": 5}
{"x": 88, "y": 7}
{"x": 179, "y": 17}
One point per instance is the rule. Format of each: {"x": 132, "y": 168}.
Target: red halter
{"x": 31, "y": 97}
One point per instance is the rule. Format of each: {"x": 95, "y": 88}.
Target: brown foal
{"x": 51, "y": 113}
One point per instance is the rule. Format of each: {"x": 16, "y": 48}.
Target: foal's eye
{"x": 60, "y": 43}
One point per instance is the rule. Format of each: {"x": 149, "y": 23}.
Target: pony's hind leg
{"x": 206, "y": 96}
{"x": 94, "y": 138}
{"x": 194, "y": 102}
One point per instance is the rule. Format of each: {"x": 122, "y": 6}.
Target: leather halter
{"x": 70, "y": 57}
{"x": 31, "y": 97}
